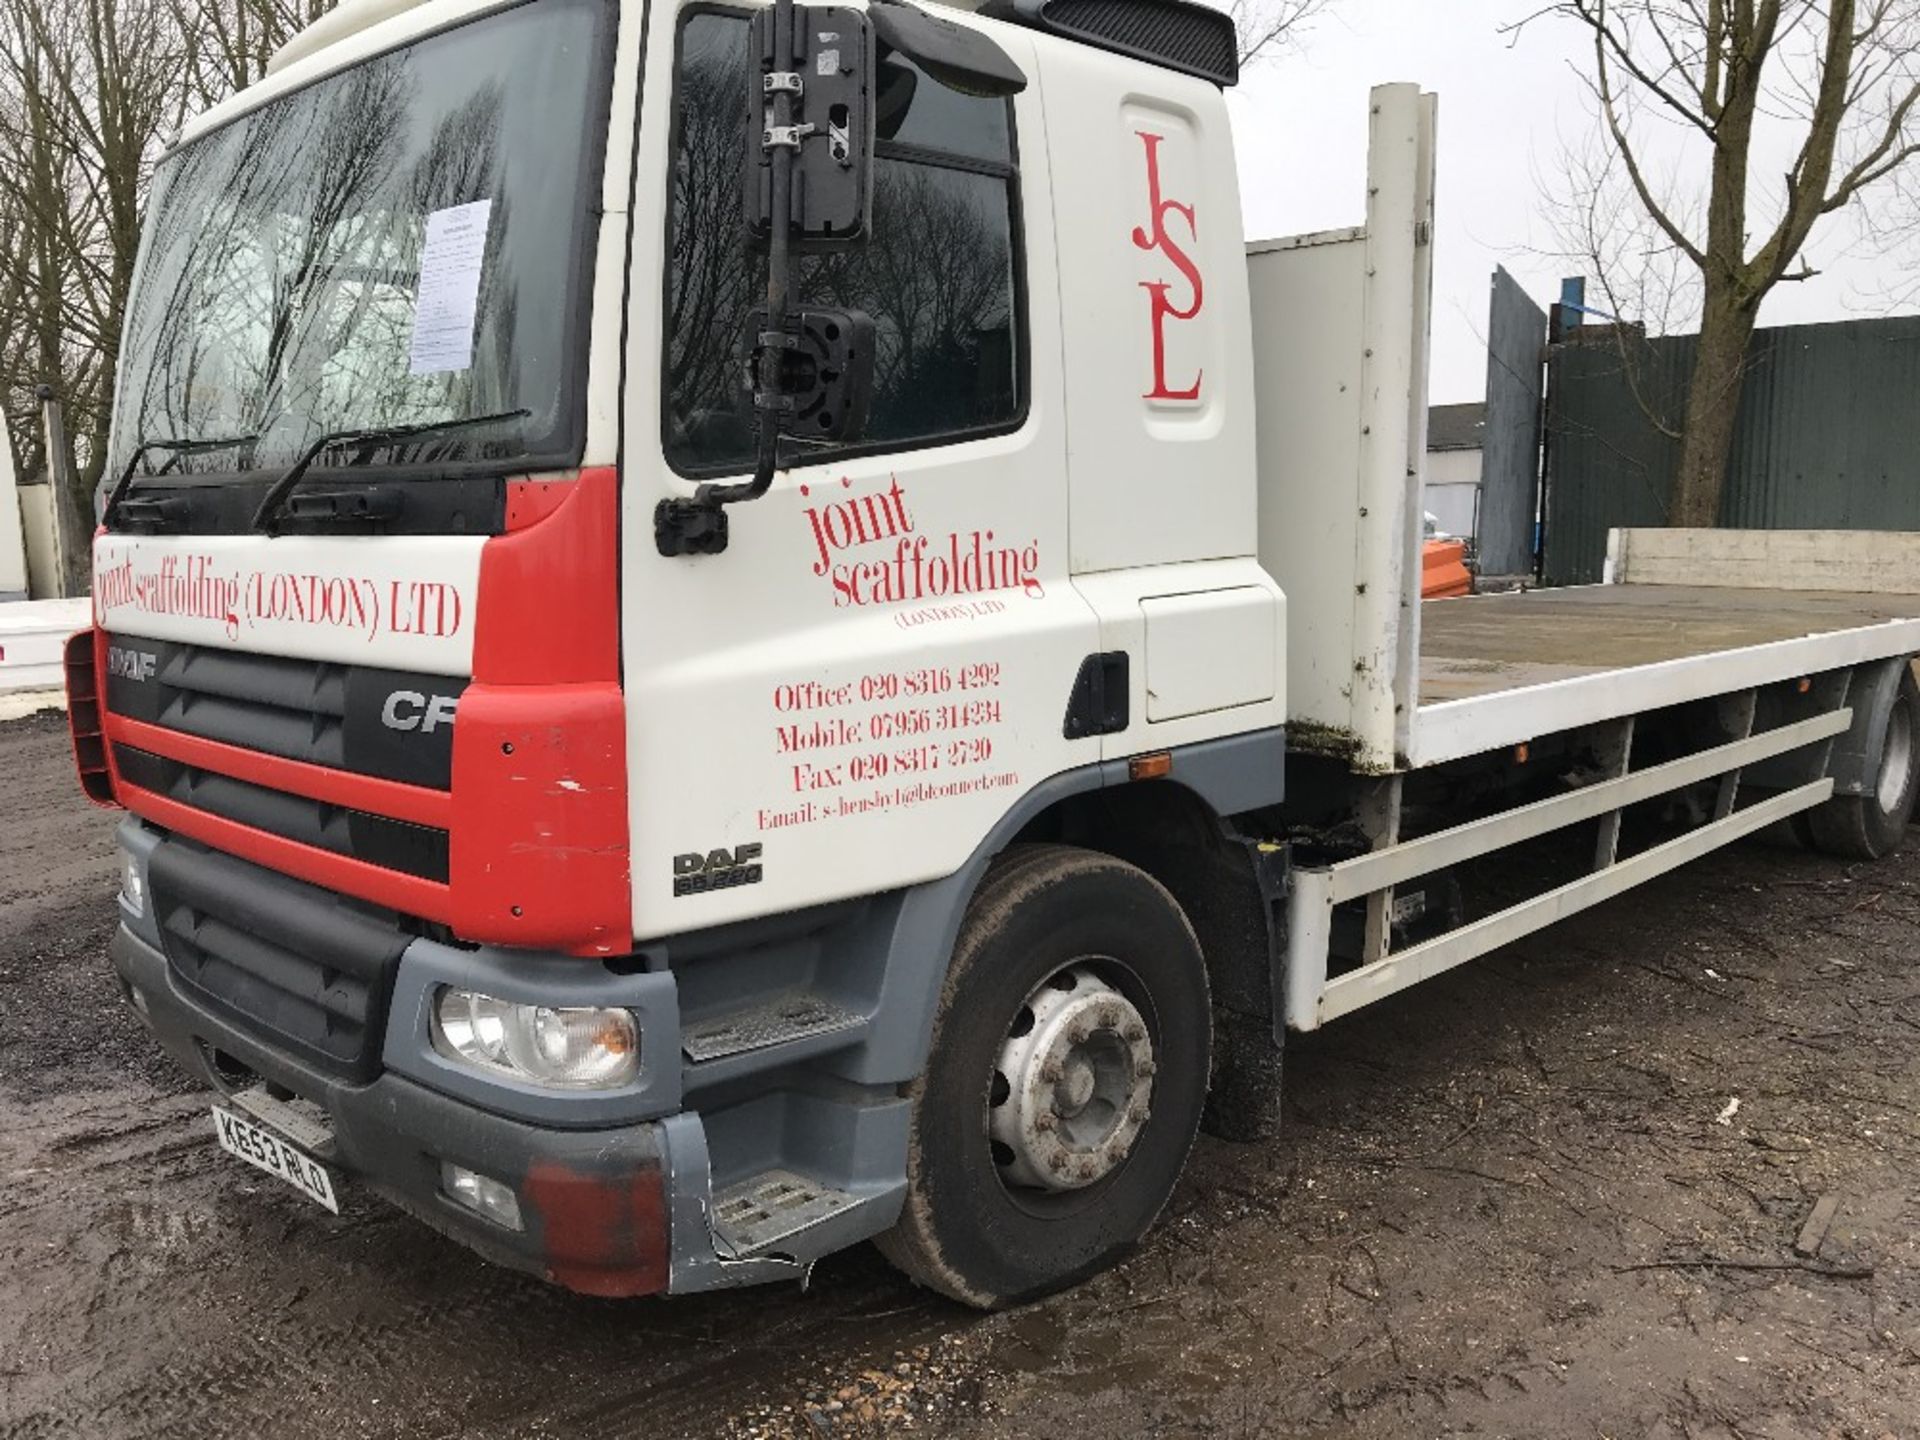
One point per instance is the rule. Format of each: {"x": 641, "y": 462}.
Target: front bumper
{"x": 616, "y": 1210}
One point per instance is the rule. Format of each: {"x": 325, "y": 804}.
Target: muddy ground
{"x": 1516, "y": 1202}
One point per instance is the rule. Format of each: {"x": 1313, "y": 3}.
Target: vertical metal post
{"x": 1379, "y": 816}
{"x": 1616, "y": 758}
{"x": 60, "y": 481}
{"x": 1736, "y": 723}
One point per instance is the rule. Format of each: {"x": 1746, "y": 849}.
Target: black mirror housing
{"x": 826, "y": 371}
{"x": 824, "y": 65}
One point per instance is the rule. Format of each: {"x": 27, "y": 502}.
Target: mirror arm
{"x": 768, "y": 399}
{"x": 698, "y": 526}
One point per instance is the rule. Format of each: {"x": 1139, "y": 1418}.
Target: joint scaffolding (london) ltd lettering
{"x": 1152, "y": 237}
{"x": 198, "y": 587}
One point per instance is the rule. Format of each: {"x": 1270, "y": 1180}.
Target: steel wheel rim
{"x": 1072, "y": 1084}
{"x": 1896, "y": 760}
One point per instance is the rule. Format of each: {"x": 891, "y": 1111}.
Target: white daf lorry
{"x": 669, "y": 742}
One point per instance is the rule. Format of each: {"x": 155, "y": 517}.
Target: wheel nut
{"x": 1045, "y": 1120}
{"x": 1051, "y": 1072}
{"x": 1139, "y": 1114}
{"x": 1056, "y": 1162}
{"x": 1136, "y": 1033}
{"x": 1146, "y": 1067}
{"x": 1079, "y": 1034}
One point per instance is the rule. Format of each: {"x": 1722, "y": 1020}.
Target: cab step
{"x": 776, "y": 1020}
{"x": 757, "y": 1214}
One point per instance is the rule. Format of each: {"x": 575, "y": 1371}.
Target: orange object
{"x": 1444, "y": 570}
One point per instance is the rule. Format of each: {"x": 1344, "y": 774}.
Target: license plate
{"x": 267, "y": 1151}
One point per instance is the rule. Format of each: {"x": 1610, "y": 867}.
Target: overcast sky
{"x": 1506, "y": 108}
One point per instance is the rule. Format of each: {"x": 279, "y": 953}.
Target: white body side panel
{"x": 1340, "y": 323}
{"x": 406, "y": 604}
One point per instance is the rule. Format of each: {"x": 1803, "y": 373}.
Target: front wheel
{"x": 1064, "y": 1084}
{"x": 1869, "y": 826}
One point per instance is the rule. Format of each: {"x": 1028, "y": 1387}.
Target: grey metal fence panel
{"x": 1510, "y": 461}
{"x": 1828, "y": 435}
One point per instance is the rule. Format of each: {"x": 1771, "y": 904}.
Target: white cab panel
{"x": 1125, "y": 599}
{"x": 1212, "y": 651}
{"x": 1153, "y": 295}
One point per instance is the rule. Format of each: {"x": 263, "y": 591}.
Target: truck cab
{"x": 594, "y": 899}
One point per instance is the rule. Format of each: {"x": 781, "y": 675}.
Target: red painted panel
{"x": 538, "y": 852}
{"x": 84, "y": 677}
{"x": 530, "y": 501}
{"x": 548, "y": 612}
{"x": 604, "y": 1234}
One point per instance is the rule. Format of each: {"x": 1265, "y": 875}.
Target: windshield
{"x": 399, "y": 244}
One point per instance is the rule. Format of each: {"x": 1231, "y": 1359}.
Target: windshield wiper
{"x": 267, "y": 518}
{"x": 147, "y": 447}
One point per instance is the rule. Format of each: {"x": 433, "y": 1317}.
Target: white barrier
{"x": 33, "y": 639}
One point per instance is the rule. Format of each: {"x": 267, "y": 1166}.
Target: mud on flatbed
{"x": 1517, "y": 1201}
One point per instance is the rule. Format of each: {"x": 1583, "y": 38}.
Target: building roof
{"x": 1457, "y": 427}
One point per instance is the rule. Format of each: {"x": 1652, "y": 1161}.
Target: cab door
{"x": 876, "y": 669}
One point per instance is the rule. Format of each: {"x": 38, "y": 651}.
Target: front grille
{"x": 297, "y": 966}
{"x": 377, "y": 839}
{"x": 346, "y": 717}
{"x": 387, "y": 724}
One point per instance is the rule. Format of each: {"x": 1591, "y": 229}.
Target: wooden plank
{"x": 1872, "y": 561}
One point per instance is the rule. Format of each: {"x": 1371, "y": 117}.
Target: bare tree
{"x": 1267, "y": 27}
{"x": 90, "y": 93}
{"x": 1843, "y": 74}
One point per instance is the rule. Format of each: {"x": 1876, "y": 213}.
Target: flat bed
{"x": 1496, "y": 670}
{"x": 1481, "y": 644}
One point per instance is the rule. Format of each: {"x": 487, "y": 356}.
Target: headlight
{"x": 133, "y": 887}
{"x": 569, "y": 1047}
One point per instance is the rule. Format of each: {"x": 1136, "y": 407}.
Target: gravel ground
{"x": 1519, "y": 1201}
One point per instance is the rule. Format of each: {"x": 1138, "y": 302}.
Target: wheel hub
{"x": 1072, "y": 1084}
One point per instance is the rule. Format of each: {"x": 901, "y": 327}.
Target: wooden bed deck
{"x": 1484, "y": 644}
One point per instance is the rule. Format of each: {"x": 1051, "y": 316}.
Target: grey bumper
{"x": 617, "y": 1209}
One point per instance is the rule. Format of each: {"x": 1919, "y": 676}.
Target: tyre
{"x": 1866, "y": 827}
{"x": 1064, "y": 1084}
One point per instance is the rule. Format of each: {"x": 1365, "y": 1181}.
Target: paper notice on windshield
{"x": 450, "y": 259}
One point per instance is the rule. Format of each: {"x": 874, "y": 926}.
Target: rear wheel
{"x": 1866, "y": 827}
{"x": 1065, "y": 1081}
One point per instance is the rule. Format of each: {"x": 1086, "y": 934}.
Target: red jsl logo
{"x": 1153, "y": 237}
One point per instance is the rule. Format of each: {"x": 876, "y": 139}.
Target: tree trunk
{"x": 1713, "y": 403}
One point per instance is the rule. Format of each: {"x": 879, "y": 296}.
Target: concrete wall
{"x": 13, "y": 549}
{"x": 36, "y": 524}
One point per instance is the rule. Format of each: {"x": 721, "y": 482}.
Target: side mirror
{"x": 818, "y": 60}
{"x": 808, "y": 185}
